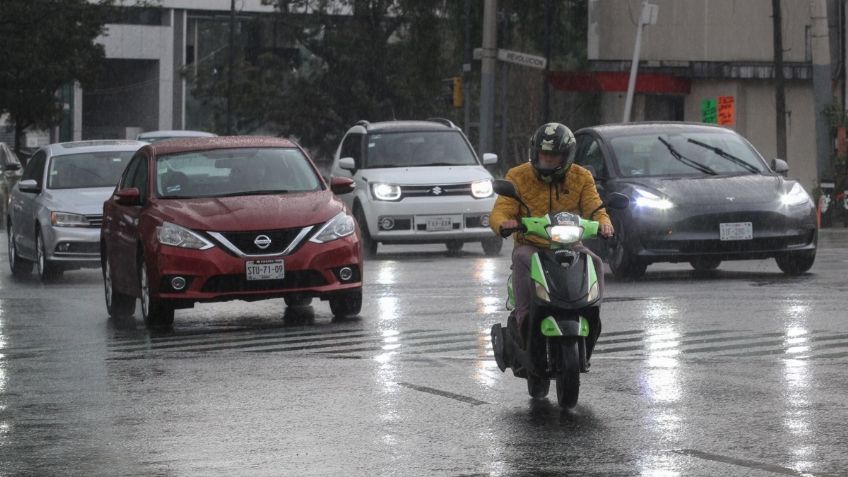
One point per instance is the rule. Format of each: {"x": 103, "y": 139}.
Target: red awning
{"x": 609, "y": 81}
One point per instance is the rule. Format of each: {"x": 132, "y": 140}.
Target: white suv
{"x": 417, "y": 182}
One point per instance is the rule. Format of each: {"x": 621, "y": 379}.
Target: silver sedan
{"x": 56, "y": 209}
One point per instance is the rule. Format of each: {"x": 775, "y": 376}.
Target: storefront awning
{"x": 615, "y": 81}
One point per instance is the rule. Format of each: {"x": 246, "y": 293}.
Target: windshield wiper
{"x": 689, "y": 162}
{"x": 730, "y": 157}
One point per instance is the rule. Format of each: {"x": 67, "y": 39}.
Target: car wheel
{"x": 20, "y": 266}
{"x": 454, "y": 246}
{"x": 298, "y": 300}
{"x": 346, "y": 304}
{"x": 118, "y": 304}
{"x": 47, "y": 271}
{"x": 155, "y": 312}
{"x": 705, "y": 264}
{"x": 369, "y": 245}
{"x": 624, "y": 265}
{"x": 492, "y": 246}
{"x": 795, "y": 263}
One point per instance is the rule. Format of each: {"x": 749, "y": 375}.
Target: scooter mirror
{"x": 505, "y": 188}
{"x": 617, "y": 200}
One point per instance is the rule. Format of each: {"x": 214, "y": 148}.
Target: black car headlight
{"x": 796, "y": 196}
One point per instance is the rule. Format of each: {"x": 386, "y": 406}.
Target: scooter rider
{"x": 550, "y": 182}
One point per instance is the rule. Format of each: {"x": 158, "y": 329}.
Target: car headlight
{"x": 651, "y": 200}
{"x": 67, "y": 219}
{"x": 565, "y": 234}
{"x": 482, "y": 189}
{"x": 339, "y": 226}
{"x": 796, "y": 196}
{"x": 176, "y": 236}
{"x": 385, "y": 191}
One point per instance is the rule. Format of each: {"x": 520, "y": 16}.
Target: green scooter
{"x": 564, "y": 322}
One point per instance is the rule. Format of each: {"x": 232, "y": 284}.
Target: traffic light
{"x": 457, "y": 91}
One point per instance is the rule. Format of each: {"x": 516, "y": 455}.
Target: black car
{"x": 699, "y": 194}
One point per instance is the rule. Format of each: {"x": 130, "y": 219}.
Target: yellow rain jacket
{"x": 576, "y": 194}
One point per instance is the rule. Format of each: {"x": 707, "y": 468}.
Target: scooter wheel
{"x": 498, "y": 346}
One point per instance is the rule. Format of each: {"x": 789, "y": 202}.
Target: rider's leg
{"x": 521, "y": 284}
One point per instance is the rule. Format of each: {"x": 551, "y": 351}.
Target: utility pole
{"x": 487, "y": 75}
{"x": 546, "y": 87}
{"x": 779, "y": 82}
{"x": 231, "y": 65}
{"x": 466, "y": 70}
{"x": 647, "y": 16}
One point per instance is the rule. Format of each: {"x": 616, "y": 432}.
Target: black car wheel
{"x": 20, "y": 266}
{"x": 369, "y": 245}
{"x": 155, "y": 312}
{"x": 795, "y": 263}
{"x": 118, "y": 304}
{"x": 346, "y": 304}
{"x": 492, "y": 246}
{"x": 704, "y": 264}
{"x": 47, "y": 270}
{"x": 623, "y": 263}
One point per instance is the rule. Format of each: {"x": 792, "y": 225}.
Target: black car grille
{"x": 245, "y": 241}
{"x": 436, "y": 190}
{"x": 728, "y": 246}
{"x": 94, "y": 220}
{"x": 238, "y": 283}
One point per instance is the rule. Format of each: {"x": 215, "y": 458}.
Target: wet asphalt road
{"x": 738, "y": 372}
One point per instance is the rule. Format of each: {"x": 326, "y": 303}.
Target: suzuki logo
{"x": 730, "y": 198}
{"x": 262, "y": 241}
{"x": 436, "y": 190}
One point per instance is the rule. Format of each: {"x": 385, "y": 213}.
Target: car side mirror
{"x": 128, "y": 196}
{"x": 347, "y": 163}
{"x": 29, "y": 185}
{"x": 505, "y": 188}
{"x": 342, "y": 185}
{"x": 489, "y": 159}
{"x": 780, "y": 166}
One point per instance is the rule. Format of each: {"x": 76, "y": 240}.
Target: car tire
{"x": 624, "y": 265}
{"x": 20, "y": 267}
{"x": 298, "y": 300}
{"x": 369, "y": 245}
{"x": 346, "y": 304}
{"x": 795, "y": 263}
{"x": 454, "y": 246}
{"x": 119, "y": 305}
{"x": 492, "y": 246}
{"x": 156, "y": 313}
{"x": 47, "y": 271}
{"x": 705, "y": 264}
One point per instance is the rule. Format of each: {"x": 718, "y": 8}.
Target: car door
{"x": 590, "y": 155}
{"x": 24, "y": 206}
{"x": 121, "y": 221}
{"x": 351, "y": 147}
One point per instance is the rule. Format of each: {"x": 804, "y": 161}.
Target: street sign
{"x": 524, "y": 59}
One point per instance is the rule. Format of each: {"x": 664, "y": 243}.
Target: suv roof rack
{"x": 446, "y": 122}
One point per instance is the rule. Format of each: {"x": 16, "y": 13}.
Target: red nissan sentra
{"x": 227, "y": 218}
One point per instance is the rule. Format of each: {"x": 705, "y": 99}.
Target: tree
{"x": 46, "y": 44}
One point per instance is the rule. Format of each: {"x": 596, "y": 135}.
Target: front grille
{"x": 94, "y": 221}
{"x": 720, "y": 246}
{"x": 237, "y": 283}
{"x": 436, "y": 190}
{"x": 77, "y": 248}
{"x": 245, "y": 241}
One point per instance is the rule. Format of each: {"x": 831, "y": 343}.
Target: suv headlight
{"x": 796, "y": 196}
{"x": 339, "y": 226}
{"x": 651, "y": 200}
{"x": 176, "y": 236}
{"x": 67, "y": 219}
{"x": 385, "y": 191}
{"x": 482, "y": 189}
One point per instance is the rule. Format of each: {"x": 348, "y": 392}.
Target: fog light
{"x": 178, "y": 283}
{"x": 63, "y": 247}
{"x": 345, "y": 273}
{"x": 484, "y": 220}
{"x": 387, "y": 223}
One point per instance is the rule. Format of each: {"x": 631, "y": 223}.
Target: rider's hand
{"x": 606, "y": 230}
{"x": 509, "y": 224}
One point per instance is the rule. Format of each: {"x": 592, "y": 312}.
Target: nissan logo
{"x": 262, "y": 241}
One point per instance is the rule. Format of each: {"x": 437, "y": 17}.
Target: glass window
{"x": 232, "y": 172}
{"x": 352, "y": 147}
{"x": 90, "y": 169}
{"x": 35, "y": 167}
{"x": 418, "y": 149}
{"x": 589, "y": 154}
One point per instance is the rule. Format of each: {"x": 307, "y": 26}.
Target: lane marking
{"x": 750, "y": 464}
{"x": 438, "y": 392}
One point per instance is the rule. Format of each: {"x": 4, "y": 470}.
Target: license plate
{"x": 439, "y": 224}
{"x": 265, "y": 270}
{"x": 736, "y": 231}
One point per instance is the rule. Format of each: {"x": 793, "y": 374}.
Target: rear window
{"x": 233, "y": 172}
{"x": 418, "y": 149}
{"x": 91, "y": 169}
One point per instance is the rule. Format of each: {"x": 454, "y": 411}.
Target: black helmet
{"x": 554, "y": 138}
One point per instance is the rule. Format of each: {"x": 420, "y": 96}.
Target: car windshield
{"x": 418, "y": 149}
{"x": 233, "y": 172}
{"x": 90, "y": 169}
{"x": 685, "y": 153}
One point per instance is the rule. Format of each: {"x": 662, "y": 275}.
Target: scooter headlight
{"x": 541, "y": 292}
{"x": 566, "y": 234}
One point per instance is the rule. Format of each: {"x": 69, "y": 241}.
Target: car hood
{"x": 254, "y": 212}
{"x": 741, "y": 189}
{"x": 88, "y": 201}
{"x": 427, "y": 175}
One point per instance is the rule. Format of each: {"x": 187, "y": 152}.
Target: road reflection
{"x": 797, "y": 379}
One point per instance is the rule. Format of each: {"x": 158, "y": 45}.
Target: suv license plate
{"x": 736, "y": 231}
{"x": 265, "y": 270}
{"x": 439, "y": 224}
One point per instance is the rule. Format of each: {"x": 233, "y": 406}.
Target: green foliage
{"x": 46, "y": 44}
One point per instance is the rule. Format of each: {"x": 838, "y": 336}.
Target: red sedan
{"x": 227, "y": 218}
